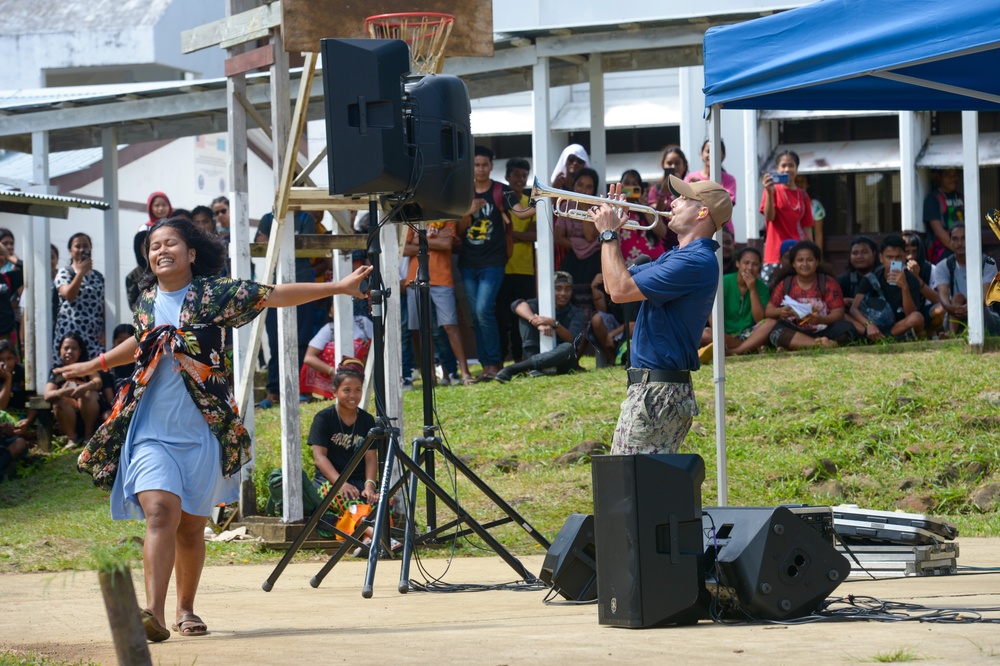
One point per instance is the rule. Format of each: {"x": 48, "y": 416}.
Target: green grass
{"x": 896, "y": 656}
{"x": 920, "y": 416}
{"x": 32, "y": 659}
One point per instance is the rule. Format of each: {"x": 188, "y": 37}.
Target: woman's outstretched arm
{"x": 297, "y": 293}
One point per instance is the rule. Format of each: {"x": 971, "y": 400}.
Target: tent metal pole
{"x": 718, "y": 324}
{"x": 973, "y": 229}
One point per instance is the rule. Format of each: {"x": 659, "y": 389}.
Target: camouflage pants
{"x": 655, "y": 418}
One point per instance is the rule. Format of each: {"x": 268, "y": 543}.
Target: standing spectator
{"x": 133, "y": 277}
{"x": 728, "y": 252}
{"x": 157, "y": 207}
{"x": 636, "y": 243}
{"x": 886, "y": 302}
{"x": 949, "y": 279}
{"x": 674, "y": 163}
{"x": 304, "y": 313}
{"x": 11, "y": 282}
{"x": 819, "y": 212}
{"x": 220, "y": 210}
{"x": 943, "y": 209}
{"x": 583, "y": 260}
{"x": 440, "y": 239}
{"x": 202, "y": 218}
{"x": 487, "y": 244}
{"x": 728, "y": 182}
{"x": 81, "y": 298}
{"x": 519, "y": 274}
{"x": 573, "y": 158}
{"x": 787, "y": 211}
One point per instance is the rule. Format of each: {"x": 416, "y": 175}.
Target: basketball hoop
{"x": 426, "y": 33}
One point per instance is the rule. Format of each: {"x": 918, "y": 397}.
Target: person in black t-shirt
{"x": 896, "y": 286}
{"x": 339, "y": 430}
{"x": 487, "y": 243}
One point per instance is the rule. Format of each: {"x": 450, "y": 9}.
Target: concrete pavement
{"x": 62, "y": 616}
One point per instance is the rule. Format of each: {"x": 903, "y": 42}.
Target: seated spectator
{"x": 728, "y": 252}
{"x": 121, "y": 373}
{"x": 74, "y": 404}
{"x": 220, "y": 211}
{"x": 336, "y": 434}
{"x": 948, "y": 278}
{"x": 13, "y": 396}
{"x": 319, "y": 366}
{"x": 607, "y": 325}
{"x": 809, "y": 284}
{"x": 784, "y": 264}
{"x": 929, "y": 301}
{"x": 566, "y": 327}
{"x": 862, "y": 261}
{"x": 886, "y": 301}
{"x": 744, "y": 297}
{"x": 13, "y": 447}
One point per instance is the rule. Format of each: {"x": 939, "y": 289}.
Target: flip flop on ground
{"x": 190, "y": 624}
{"x": 155, "y": 631}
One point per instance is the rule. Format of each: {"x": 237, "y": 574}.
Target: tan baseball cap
{"x": 711, "y": 194}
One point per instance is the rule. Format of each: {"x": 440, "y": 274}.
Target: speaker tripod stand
{"x": 418, "y": 466}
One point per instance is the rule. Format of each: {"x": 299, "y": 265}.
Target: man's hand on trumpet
{"x": 609, "y": 217}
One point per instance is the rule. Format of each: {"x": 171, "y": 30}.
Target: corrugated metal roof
{"x": 943, "y": 151}
{"x": 18, "y": 166}
{"x": 44, "y": 205}
{"x": 25, "y": 17}
{"x": 846, "y": 156}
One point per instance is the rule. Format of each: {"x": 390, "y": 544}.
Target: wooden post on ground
{"x": 123, "y": 616}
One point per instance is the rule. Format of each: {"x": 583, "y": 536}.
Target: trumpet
{"x": 993, "y": 293}
{"x": 565, "y": 200}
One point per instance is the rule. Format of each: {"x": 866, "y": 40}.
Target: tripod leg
{"x": 380, "y": 518}
{"x": 411, "y": 513}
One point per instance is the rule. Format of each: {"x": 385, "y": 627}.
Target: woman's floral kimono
{"x": 210, "y": 306}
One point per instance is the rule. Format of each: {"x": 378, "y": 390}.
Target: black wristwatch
{"x": 607, "y": 236}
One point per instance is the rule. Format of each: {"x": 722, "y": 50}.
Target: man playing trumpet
{"x": 676, "y": 293}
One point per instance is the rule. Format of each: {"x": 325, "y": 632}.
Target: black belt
{"x": 640, "y": 375}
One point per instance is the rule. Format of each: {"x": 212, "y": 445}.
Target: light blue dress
{"x": 169, "y": 444}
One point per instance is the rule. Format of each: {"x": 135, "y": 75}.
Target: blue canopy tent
{"x": 915, "y": 55}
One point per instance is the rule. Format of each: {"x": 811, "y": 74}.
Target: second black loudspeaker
{"x": 569, "y": 566}
{"x": 765, "y": 563}
{"x": 647, "y": 518}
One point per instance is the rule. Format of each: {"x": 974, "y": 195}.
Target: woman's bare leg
{"x": 65, "y": 414}
{"x": 90, "y": 410}
{"x": 163, "y": 516}
{"x": 757, "y": 338}
{"x": 190, "y": 560}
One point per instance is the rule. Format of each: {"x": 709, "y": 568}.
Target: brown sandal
{"x": 197, "y": 626}
{"x": 155, "y": 631}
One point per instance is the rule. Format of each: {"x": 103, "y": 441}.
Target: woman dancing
{"x": 174, "y": 443}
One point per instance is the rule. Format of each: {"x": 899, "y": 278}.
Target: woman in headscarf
{"x": 574, "y": 157}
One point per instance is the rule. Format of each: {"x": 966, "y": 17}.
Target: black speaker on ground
{"x": 650, "y": 549}
{"x": 569, "y": 566}
{"x": 765, "y": 563}
{"x": 394, "y": 135}
{"x": 363, "y": 100}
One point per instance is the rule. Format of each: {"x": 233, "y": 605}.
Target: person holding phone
{"x": 81, "y": 298}
{"x": 787, "y": 211}
{"x": 898, "y": 288}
